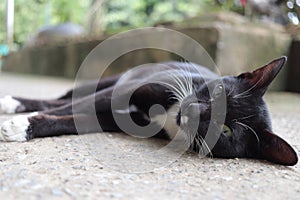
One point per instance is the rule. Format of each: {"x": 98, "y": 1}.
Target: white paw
{"x": 8, "y": 105}
{"x": 14, "y": 130}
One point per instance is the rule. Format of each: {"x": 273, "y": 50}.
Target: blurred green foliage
{"x": 136, "y": 13}
{"x": 31, "y": 15}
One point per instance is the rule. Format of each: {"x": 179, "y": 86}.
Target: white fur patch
{"x": 8, "y": 105}
{"x": 132, "y": 108}
{"x": 14, "y": 130}
{"x": 184, "y": 120}
{"x": 169, "y": 124}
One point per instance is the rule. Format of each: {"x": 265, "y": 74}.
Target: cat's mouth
{"x": 191, "y": 112}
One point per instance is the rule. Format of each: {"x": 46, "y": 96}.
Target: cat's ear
{"x": 261, "y": 78}
{"x": 276, "y": 150}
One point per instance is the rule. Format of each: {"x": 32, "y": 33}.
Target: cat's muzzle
{"x": 190, "y": 114}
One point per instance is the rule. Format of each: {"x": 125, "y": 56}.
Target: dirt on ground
{"x": 97, "y": 166}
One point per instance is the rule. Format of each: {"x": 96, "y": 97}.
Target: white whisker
{"x": 247, "y": 91}
{"x": 183, "y": 84}
{"x": 201, "y": 145}
{"x": 248, "y": 127}
{"x": 243, "y": 118}
{"x": 231, "y": 91}
{"x": 242, "y": 96}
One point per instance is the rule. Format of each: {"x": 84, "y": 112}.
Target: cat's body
{"x": 229, "y": 112}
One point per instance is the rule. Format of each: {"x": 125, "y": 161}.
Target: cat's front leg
{"x": 9, "y": 105}
{"x": 25, "y": 127}
{"x": 22, "y": 128}
{"x": 16, "y": 129}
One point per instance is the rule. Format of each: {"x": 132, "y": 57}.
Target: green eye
{"x": 218, "y": 90}
{"x": 227, "y": 131}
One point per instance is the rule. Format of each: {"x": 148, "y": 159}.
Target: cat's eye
{"x": 227, "y": 131}
{"x": 218, "y": 90}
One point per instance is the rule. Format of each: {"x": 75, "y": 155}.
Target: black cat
{"x": 223, "y": 116}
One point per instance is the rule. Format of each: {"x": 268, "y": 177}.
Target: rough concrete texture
{"x": 67, "y": 168}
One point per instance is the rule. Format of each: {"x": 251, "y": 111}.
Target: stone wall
{"x": 293, "y": 72}
{"x": 235, "y": 44}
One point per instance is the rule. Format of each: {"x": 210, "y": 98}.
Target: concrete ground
{"x": 92, "y": 166}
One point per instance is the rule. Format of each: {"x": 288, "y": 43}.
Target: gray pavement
{"x": 86, "y": 166}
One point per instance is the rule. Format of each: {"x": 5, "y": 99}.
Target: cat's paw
{"x": 15, "y": 129}
{"x": 8, "y": 105}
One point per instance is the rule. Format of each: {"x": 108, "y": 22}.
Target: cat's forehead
{"x": 233, "y": 84}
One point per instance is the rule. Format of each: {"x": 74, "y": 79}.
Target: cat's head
{"x": 240, "y": 125}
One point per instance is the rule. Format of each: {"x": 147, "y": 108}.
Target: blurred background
{"x": 53, "y": 37}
